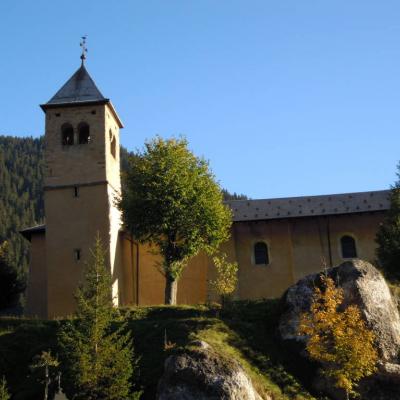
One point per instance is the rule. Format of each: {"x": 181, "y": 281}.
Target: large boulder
{"x": 362, "y": 285}
{"x": 201, "y": 374}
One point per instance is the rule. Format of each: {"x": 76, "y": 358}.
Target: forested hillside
{"x": 21, "y": 195}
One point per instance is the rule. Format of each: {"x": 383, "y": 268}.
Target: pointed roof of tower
{"x": 79, "y": 88}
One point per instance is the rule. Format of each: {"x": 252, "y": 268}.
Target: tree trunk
{"x": 46, "y": 388}
{"x": 171, "y": 289}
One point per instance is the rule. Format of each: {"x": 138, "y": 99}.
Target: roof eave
{"x": 28, "y": 232}
{"x": 276, "y": 218}
{"x": 47, "y": 106}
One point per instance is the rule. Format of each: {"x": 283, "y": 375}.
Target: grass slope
{"x": 246, "y": 331}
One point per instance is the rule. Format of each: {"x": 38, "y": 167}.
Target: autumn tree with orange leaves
{"x": 338, "y": 339}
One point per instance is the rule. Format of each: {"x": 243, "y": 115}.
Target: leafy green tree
{"x": 388, "y": 235}
{"x": 98, "y": 359}
{"x": 226, "y": 277}
{"x": 4, "y": 394}
{"x": 12, "y": 284}
{"x": 339, "y": 339}
{"x": 172, "y": 201}
{"x": 21, "y": 192}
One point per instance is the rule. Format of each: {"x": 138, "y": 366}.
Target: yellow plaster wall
{"x": 111, "y": 130}
{"x": 362, "y": 228}
{"x": 36, "y": 293}
{"x": 192, "y": 286}
{"x": 128, "y": 286}
{"x": 113, "y": 245}
{"x": 82, "y": 163}
{"x": 71, "y": 223}
{"x": 310, "y": 245}
{"x": 64, "y": 163}
{"x": 257, "y": 281}
{"x": 297, "y": 247}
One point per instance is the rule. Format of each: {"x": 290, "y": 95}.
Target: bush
{"x": 339, "y": 340}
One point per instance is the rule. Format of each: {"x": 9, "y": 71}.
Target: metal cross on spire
{"x": 84, "y": 48}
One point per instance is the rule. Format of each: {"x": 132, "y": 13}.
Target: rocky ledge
{"x": 202, "y": 374}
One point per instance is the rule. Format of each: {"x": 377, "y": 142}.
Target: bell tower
{"x": 82, "y": 181}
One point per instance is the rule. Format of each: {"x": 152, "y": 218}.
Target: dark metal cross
{"x": 84, "y": 48}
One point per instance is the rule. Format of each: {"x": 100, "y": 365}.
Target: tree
{"x": 11, "y": 283}
{"x": 233, "y": 196}
{"x": 46, "y": 362}
{"x": 172, "y": 201}
{"x": 21, "y": 194}
{"x": 226, "y": 279}
{"x": 388, "y": 235}
{"x": 98, "y": 359}
{"x": 4, "y": 395}
{"x": 339, "y": 339}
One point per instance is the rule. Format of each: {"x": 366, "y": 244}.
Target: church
{"x": 274, "y": 241}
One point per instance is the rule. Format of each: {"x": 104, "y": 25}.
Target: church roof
{"x": 293, "y": 207}
{"x": 307, "y": 206}
{"x": 80, "y": 89}
{"x": 28, "y": 232}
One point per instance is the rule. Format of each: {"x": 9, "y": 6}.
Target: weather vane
{"x": 84, "y": 48}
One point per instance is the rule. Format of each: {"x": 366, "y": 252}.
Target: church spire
{"x": 84, "y": 49}
{"x": 80, "y": 90}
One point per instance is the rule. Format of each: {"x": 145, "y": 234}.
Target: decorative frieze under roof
{"x": 307, "y": 206}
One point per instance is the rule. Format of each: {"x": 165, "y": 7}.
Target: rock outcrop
{"x": 364, "y": 286}
{"x": 201, "y": 374}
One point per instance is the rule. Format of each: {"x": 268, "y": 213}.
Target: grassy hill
{"x": 246, "y": 332}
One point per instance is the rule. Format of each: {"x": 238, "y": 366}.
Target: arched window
{"x": 67, "y": 135}
{"x": 261, "y": 254}
{"x": 348, "y": 245}
{"x": 112, "y": 143}
{"x": 84, "y": 133}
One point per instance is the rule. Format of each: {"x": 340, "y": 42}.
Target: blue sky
{"x": 284, "y": 98}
